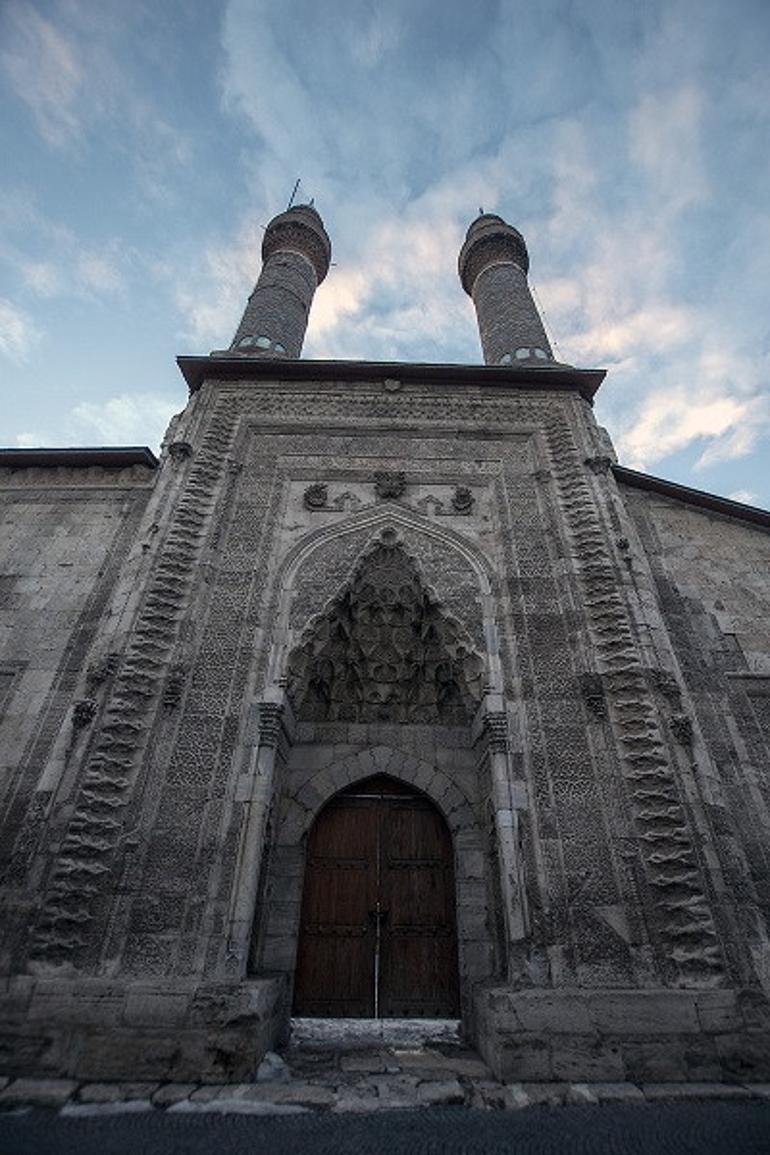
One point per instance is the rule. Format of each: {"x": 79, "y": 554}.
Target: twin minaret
{"x": 493, "y": 266}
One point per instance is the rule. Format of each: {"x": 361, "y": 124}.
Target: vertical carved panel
{"x": 84, "y": 860}
{"x": 685, "y": 923}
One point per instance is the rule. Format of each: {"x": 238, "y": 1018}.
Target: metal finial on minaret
{"x": 296, "y": 252}
{"x": 493, "y": 268}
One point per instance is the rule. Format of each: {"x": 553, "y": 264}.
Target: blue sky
{"x": 146, "y": 144}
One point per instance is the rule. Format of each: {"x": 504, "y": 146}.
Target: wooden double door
{"x": 377, "y": 935}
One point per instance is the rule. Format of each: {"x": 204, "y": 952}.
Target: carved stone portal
{"x": 385, "y": 651}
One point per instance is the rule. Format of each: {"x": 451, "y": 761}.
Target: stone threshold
{"x": 354, "y": 1091}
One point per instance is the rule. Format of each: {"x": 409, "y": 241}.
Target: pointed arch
{"x": 316, "y": 568}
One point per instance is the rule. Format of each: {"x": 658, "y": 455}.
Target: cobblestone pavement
{"x": 361, "y": 1078}
{"x": 368, "y": 1095}
{"x": 616, "y": 1129}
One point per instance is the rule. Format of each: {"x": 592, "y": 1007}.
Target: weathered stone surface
{"x": 96, "y": 1110}
{"x": 272, "y": 1068}
{"x": 518, "y": 1095}
{"x": 655, "y": 1092}
{"x": 115, "y": 1092}
{"x": 442, "y": 1093}
{"x": 604, "y": 1093}
{"x": 38, "y": 1092}
{"x": 172, "y": 1093}
{"x": 235, "y": 1107}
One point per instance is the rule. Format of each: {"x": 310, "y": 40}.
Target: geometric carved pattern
{"x": 385, "y": 651}
{"x": 95, "y": 829}
{"x": 684, "y": 919}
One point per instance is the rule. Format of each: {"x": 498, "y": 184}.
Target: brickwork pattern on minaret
{"x": 296, "y": 253}
{"x": 493, "y": 269}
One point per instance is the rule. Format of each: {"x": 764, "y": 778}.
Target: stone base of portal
{"x": 101, "y": 1029}
{"x": 637, "y": 1036}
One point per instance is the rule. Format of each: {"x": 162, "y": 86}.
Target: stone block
{"x": 527, "y": 1058}
{"x": 155, "y": 1008}
{"x": 440, "y": 1094}
{"x": 638, "y": 1013}
{"x": 170, "y": 1093}
{"x": 658, "y": 1092}
{"x": 37, "y": 1092}
{"x": 229, "y": 1106}
{"x": 518, "y": 1095}
{"x": 744, "y": 1056}
{"x": 553, "y": 1012}
{"x": 115, "y": 1092}
{"x": 579, "y": 1057}
{"x": 661, "y": 1061}
{"x": 605, "y": 1093}
{"x": 717, "y": 1011}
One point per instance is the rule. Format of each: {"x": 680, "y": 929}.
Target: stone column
{"x": 495, "y": 724}
{"x": 493, "y": 268}
{"x": 296, "y": 253}
{"x": 256, "y": 800}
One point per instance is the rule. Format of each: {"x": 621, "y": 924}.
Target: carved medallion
{"x": 389, "y": 486}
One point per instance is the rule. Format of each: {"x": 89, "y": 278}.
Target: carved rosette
{"x": 389, "y": 486}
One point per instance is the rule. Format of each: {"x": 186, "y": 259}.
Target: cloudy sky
{"x": 146, "y": 144}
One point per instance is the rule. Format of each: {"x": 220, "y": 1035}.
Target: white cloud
{"x": 29, "y": 440}
{"x": 17, "y": 331}
{"x": 744, "y": 495}
{"x": 127, "y": 419}
{"x": 670, "y": 420}
{"x": 98, "y": 273}
{"x": 43, "y": 67}
{"x": 42, "y": 277}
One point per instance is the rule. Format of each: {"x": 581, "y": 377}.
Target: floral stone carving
{"x": 389, "y": 485}
{"x": 385, "y": 651}
{"x": 316, "y": 496}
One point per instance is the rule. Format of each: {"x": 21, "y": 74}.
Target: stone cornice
{"x": 699, "y": 497}
{"x": 548, "y": 379}
{"x": 108, "y": 457}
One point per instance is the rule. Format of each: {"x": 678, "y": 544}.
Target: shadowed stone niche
{"x": 385, "y": 651}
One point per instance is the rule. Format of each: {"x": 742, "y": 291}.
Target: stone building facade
{"x": 346, "y": 573}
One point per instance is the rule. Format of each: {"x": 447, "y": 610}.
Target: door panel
{"x": 377, "y": 933}
{"x": 335, "y": 963}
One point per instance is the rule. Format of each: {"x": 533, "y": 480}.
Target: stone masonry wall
{"x": 712, "y": 578}
{"x": 64, "y": 535}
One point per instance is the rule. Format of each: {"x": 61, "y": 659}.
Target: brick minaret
{"x": 493, "y": 269}
{"x": 296, "y": 253}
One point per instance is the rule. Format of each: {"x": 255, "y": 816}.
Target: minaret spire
{"x": 296, "y": 252}
{"x": 493, "y": 268}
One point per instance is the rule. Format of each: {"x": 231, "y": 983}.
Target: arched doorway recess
{"x": 377, "y": 933}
